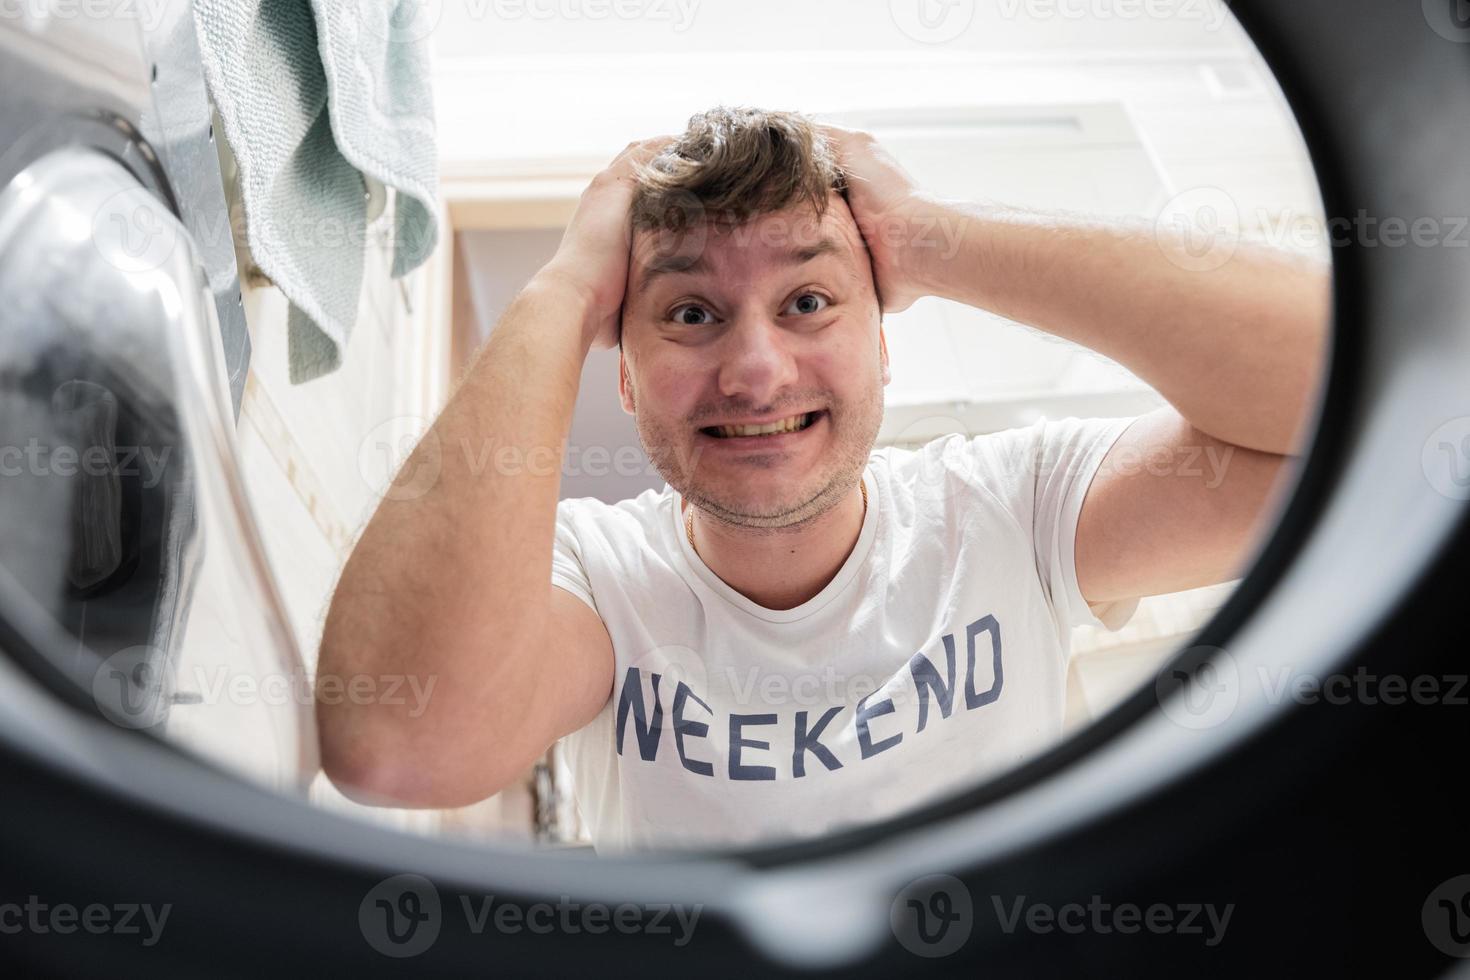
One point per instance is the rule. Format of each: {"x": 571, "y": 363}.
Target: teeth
{"x": 791, "y": 424}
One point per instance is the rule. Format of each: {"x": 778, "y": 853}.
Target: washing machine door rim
{"x": 1353, "y": 492}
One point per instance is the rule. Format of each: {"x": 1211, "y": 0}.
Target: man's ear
{"x": 625, "y": 387}
{"x": 883, "y": 354}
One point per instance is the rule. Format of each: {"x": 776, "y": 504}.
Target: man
{"x": 799, "y": 632}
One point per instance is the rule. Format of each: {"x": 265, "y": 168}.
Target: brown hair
{"x": 734, "y": 163}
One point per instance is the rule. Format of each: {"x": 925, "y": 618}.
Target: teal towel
{"x": 312, "y": 95}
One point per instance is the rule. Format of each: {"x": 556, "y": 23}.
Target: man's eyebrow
{"x": 696, "y": 264}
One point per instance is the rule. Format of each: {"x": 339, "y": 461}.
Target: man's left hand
{"x": 892, "y": 215}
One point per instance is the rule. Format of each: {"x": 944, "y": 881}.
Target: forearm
{"x": 1238, "y": 350}
{"x": 450, "y": 580}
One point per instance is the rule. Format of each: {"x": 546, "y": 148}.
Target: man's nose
{"x": 758, "y": 360}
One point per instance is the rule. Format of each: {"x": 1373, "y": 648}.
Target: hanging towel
{"x": 313, "y": 94}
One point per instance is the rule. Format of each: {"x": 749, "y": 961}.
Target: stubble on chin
{"x": 682, "y": 474}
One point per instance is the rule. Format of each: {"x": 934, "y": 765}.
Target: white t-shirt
{"x": 935, "y": 657}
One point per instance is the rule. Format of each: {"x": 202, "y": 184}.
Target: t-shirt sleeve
{"x": 567, "y": 570}
{"x": 1059, "y": 458}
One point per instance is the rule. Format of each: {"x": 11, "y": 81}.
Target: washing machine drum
{"x": 97, "y": 522}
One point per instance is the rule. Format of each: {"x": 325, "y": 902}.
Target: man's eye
{"x": 681, "y": 314}
{"x": 808, "y": 303}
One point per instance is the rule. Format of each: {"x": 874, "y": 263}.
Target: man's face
{"x": 774, "y": 319}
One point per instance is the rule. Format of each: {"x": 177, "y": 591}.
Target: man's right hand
{"x": 594, "y": 250}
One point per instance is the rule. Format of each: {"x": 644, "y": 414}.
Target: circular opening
{"x": 1023, "y": 791}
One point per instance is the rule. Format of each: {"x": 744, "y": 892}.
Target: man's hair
{"x": 734, "y": 163}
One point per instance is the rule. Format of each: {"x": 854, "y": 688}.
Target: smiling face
{"x": 774, "y": 321}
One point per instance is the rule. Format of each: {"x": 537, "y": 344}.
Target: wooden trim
{"x": 424, "y": 364}
{"x": 513, "y": 202}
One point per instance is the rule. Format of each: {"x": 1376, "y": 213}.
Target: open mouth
{"x": 794, "y": 423}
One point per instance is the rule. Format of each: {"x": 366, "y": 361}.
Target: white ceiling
{"x": 499, "y": 28}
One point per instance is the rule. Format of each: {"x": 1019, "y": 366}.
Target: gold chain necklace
{"x": 689, "y": 521}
